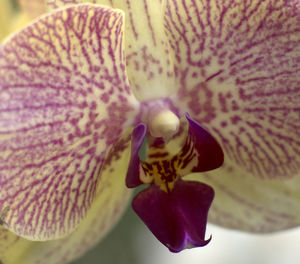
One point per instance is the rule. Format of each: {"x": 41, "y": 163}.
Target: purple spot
{"x": 104, "y": 98}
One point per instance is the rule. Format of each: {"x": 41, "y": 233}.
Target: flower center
{"x": 162, "y": 123}
{"x": 163, "y": 173}
{"x": 164, "y": 170}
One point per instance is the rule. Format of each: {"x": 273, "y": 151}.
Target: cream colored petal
{"x": 64, "y": 103}
{"x": 149, "y": 57}
{"x": 110, "y": 202}
{"x": 239, "y": 76}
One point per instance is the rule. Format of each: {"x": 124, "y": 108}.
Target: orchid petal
{"x": 239, "y": 77}
{"x": 110, "y": 201}
{"x": 64, "y": 102}
{"x": 249, "y": 203}
{"x": 178, "y": 218}
{"x": 149, "y": 57}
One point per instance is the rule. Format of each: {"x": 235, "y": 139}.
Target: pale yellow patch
{"x": 164, "y": 124}
{"x": 11, "y": 21}
{"x": 5, "y": 18}
{"x": 33, "y": 8}
{"x": 150, "y": 60}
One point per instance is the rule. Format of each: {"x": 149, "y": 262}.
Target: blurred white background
{"x": 226, "y": 247}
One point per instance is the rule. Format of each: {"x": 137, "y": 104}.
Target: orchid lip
{"x": 177, "y": 219}
{"x": 173, "y": 209}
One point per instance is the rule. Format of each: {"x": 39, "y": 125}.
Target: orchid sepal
{"x": 62, "y": 111}
{"x": 110, "y": 201}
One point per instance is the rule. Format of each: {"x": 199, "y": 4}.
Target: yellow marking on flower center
{"x": 163, "y": 170}
{"x": 163, "y": 173}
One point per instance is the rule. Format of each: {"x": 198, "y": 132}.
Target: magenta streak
{"x": 214, "y": 75}
{"x": 149, "y": 22}
{"x": 132, "y": 24}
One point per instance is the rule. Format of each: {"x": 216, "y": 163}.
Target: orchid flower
{"x": 99, "y": 95}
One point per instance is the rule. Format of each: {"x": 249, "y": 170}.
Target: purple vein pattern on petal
{"x": 238, "y": 75}
{"x": 64, "y": 102}
{"x": 235, "y": 65}
{"x": 109, "y": 203}
{"x": 149, "y": 57}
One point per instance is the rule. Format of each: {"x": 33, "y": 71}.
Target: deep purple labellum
{"x": 173, "y": 209}
{"x": 177, "y": 218}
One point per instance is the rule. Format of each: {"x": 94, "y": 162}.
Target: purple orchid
{"x": 151, "y": 92}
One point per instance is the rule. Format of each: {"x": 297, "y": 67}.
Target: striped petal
{"x": 149, "y": 57}
{"x": 108, "y": 205}
{"x": 239, "y": 77}
{"x": 64, "y": 102}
